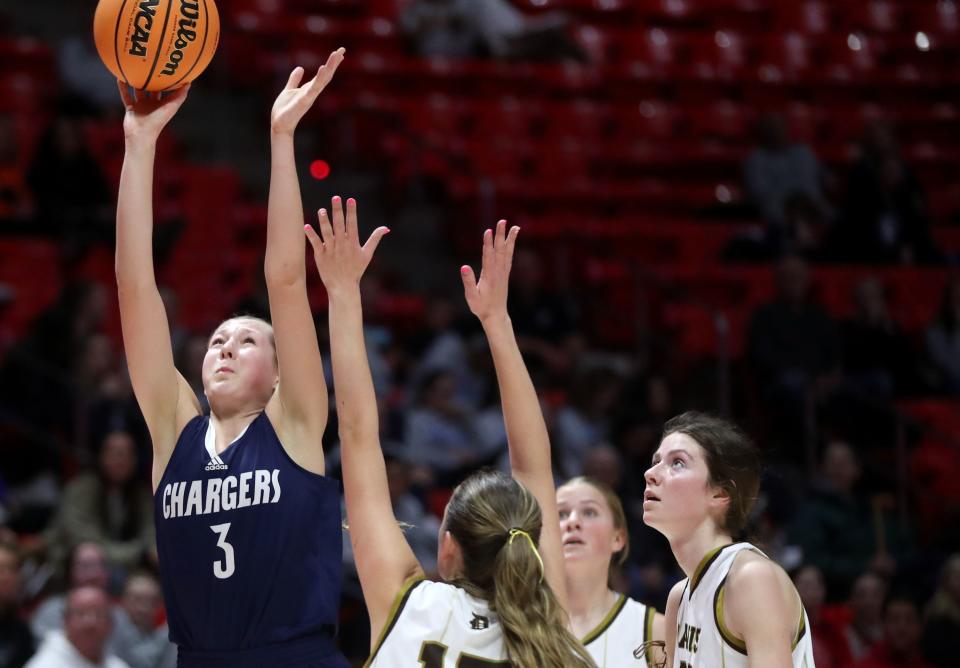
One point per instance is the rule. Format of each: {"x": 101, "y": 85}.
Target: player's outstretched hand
{"x": 295, "y": 100}
{"x": 340, "y": 258}
{"x": 487, "y": 298}
{"x": 148, "y": 113}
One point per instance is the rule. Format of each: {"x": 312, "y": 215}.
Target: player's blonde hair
{"x": 613, "y": 502}
{"x": 483, "y": 513}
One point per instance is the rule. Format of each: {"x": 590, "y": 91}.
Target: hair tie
{"x": 520, "y": 532}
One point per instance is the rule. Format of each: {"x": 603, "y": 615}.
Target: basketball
{"x": 156, "y": 45}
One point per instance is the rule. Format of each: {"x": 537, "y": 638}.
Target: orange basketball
{"x": 156, "y": 44}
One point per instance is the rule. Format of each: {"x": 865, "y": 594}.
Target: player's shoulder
{"x": 677, "y": 591}
{"x": 751, "y": 568}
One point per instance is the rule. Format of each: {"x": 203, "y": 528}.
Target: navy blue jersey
{"x": 250, "y": 547}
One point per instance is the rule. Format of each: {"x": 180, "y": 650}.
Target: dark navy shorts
{"x": 316, "y": 651}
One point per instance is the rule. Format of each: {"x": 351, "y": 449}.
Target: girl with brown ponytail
{"x": 502, "y": 600}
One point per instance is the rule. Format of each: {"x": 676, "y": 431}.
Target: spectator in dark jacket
{"x": 884, "y": 216}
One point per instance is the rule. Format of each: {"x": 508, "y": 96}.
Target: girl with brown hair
{"x": 736, "y": 607}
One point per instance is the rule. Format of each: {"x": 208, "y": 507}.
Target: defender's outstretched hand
{"x": 148, "y": 113}
{"x": 488, "y": 297}
{"x": 340, "y": 258}
{"x": 295, "y": 100}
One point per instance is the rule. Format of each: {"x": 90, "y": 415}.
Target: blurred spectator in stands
{"x": 87, "y": 567}
{"x": 440, "y": 28}
{"x": 37, "y": 388}
{"x": 829, "y": 645}
{"x": 111, "y": 408}
{"x": 97, "y": 360}
{"x": 843, "y": 532}
{"x": 877, "y": 357}
{"x": 900, "y": 647}
{"x": 884, "y": 216}
{"x": 801, "y": 233}
{"x": 445, "y": 348}
{"x": 16, "y": 641}
{"x": 421, "y": 527}
{"x": 15, "y": 204}
{"x": 90, "y": 84}
{"x": 943, "y": 339}
{"x": 136, "y": 638}
{"x": 507, "y": 33}
{"x": 87, "y": 622}
{"x": 865, "y": 628}
{"x": 584, "y": 422}
{"x": 781, "y": 175}
{"x": 604, "y": 464}
{"x": 942, "y": 617}
{"x": 465, "y": 28}
{"x": 110, "y": 506}
{"x": 794, "y": 348}
{"x": 646, "y": 403}
{"x": 547, "y": 321}
{"x": 73, "y": 200}
{"x": 256, "y": 303}
{"x": 440, "y": 431}
{"x": 771, "y": 519}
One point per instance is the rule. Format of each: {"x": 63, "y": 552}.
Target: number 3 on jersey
{"x": 223, "y": 568}
{"x": 432, "y": 653}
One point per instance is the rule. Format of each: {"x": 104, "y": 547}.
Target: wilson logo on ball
{"x": 191, "y": 12}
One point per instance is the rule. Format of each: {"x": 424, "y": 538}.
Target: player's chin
{"x": 651, "y": 516}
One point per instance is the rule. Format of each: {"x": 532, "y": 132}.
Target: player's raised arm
{"x": 165, "y": 398}
{"x": 298, "y": 409}
{"x": 383, "y": 557}
{"x": 527, "y": 435}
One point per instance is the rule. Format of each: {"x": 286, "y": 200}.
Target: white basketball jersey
{"x": 626, "y": 627}
{"x": 703, "y": 640}
{"x": 437, "y": 625}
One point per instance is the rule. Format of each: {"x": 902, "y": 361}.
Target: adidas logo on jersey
{"x": 215, "y": 463}
{"x": 479, "y": 622}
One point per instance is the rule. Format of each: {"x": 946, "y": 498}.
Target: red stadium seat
{"x": 723, "y": 120}
{"x": 813, "y": 17}
{"x": 937, "y": 17}
{"x": 650, "y": 119}
{"x": 852, "y": 58}
{"x": 785, "y": 56}
{"x": 877, "y": 16}
{"x": 719, "y": 55}
{"x": 653, "y": 53}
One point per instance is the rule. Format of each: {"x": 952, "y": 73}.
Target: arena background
{"x": 742, "y": 206}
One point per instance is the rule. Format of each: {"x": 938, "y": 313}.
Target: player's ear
{"x": 619, "y": 540}
{"x": 720, "y": 501}
{"x": 449, "y": 557}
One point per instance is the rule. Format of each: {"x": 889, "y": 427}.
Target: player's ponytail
{"x": 496, "y": 521}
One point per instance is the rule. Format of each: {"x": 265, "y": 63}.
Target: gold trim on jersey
{"x": 705, "y": 564}
{"x": 738, "y": 643}
{"x": 648, "y": 633}
{"x": 606, "y": 621}
{"x": 398, "y": 603}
